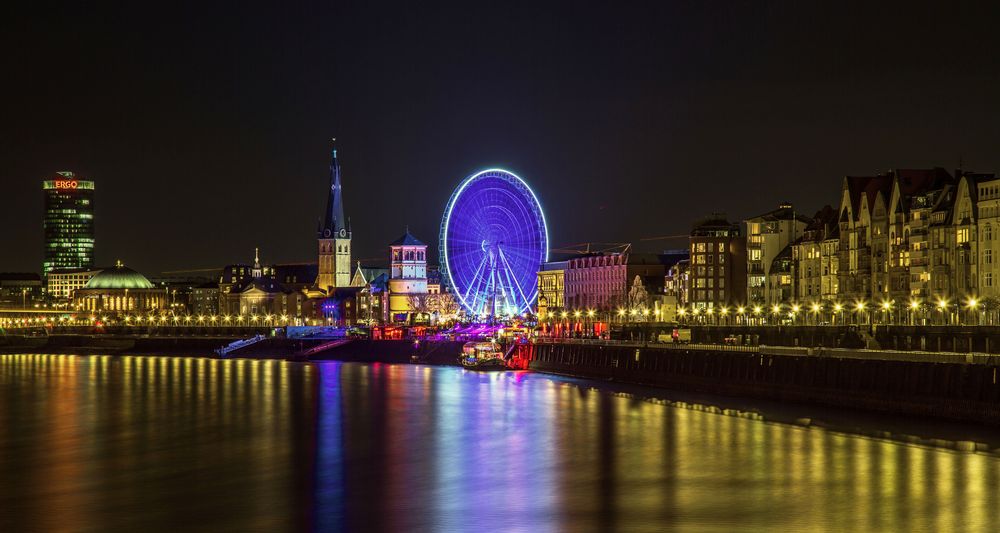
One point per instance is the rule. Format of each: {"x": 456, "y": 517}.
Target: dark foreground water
{"x": 165, "y": 444}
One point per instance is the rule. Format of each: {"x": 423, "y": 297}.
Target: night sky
{"x": 207, "y": 129}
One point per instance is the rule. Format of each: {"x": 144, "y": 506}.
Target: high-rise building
{"x": 69, "y": 223}
{"x": 334, "y": 237}
{"x": 767, "y": 237}
{"x": 718, "y": 271}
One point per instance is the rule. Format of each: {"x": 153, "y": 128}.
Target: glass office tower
{"x": 69, "y": 222}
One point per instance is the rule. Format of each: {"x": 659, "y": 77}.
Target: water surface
{"x": 105, "y": 443}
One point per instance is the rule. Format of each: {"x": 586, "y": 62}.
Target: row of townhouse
{"x": 908, "y": 235}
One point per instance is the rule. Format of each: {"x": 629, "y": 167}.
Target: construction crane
{"x": 585, "y": 248}
{"x": 666, "y": 237}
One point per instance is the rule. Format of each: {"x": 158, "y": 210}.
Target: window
{"x": 988, "y": 279}
{"x": 722, "y": 258}
{"x": 987, "y": 233}
{"x": 988, "y": 257}
{"x": 962, "y": 235}
{"x": 701, "y": 247}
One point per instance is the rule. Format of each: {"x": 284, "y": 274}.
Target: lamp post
{"x": 887, "y": 311}
{"x": 943, "y": 307}
{"x": 914, "y": 307}
{"x": 816, "y": 308}
{"x": 973, "y": 304}
{"x": 860, "y": 308}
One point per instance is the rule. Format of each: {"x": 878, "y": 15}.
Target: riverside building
{"x": 68, "y": 226}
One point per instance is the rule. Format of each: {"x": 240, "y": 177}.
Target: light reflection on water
{"x": 128, "y": 443}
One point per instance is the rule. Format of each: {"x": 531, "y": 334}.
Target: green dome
{"x": 119, "y": 277}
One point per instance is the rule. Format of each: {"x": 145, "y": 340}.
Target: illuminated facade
{"x": 408, "y": 301}
{"x": 255, "y": 291}
{"x": 767, "y": 236}
{"x": 717, "y": 275}
{"x": 605, "y": 281}
{"x": 334, "y": 237}
{"x": 60, "y": 284}
{"x": 68, "y": 226}
{"x": 815, "y": 258}
{"x": 119, "y": 290}
{"x": 552, "y": 288}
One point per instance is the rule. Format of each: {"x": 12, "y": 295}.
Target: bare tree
{"x": 418, "y": 303}
{"x": 446, "y": 304}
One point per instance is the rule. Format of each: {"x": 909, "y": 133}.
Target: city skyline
{"x": 684, "y": 119}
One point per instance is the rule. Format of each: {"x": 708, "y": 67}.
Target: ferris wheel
{"x": 493, "y": 241}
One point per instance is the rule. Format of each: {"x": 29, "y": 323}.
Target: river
{"x": 102, "y": 443}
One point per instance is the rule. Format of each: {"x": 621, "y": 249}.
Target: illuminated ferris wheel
{"x": 493, "y": 241}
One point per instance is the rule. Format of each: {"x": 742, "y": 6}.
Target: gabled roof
{"x": 920, "y": 180}
{"x": 268, "y": 285}
{"x": 869, "y": 187}
{"x": 407, "y": 240}
{"x": 369, "y": 273}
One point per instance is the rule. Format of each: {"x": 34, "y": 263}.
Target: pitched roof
{"x": 867, "y": 187}
{"x": 407, "y": 240}
{"x": 920, "y": 180}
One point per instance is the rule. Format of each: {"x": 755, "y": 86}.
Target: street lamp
{"x": 860, "y": 308}
{"x": 816, "y": 308}
{"x": 972, "y": 304}
{"x": 943, "y": 307}
{"x": 887, "y": 308}
{"x": 914, "y": 307}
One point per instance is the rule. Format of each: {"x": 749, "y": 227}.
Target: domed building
{"x": 119, "y": 289}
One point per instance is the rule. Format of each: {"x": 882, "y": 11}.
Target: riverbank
{"x": 949, "y": 391}
{"x": 202, "y": 346}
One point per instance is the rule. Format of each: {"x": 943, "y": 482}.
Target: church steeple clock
{"x": 334, "y": 236}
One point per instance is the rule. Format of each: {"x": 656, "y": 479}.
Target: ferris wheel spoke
{"x": 513, "y": 276}
{"x": 493, "y": 240}
{"x": 475, "y": 277}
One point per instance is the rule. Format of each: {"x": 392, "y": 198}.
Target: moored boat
{"x": 482, "y": 355}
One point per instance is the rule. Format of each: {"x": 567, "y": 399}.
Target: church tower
{"x": 334, "y": 237}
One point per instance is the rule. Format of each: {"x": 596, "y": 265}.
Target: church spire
{"x": 334, "y": 220}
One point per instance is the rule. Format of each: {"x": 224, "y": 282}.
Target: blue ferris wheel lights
{"x": 494, "y": 237}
